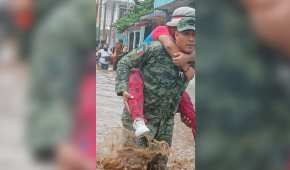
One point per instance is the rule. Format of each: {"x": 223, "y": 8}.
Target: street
{"x": 109, "y": 108}
{"x": 13, "y": 115}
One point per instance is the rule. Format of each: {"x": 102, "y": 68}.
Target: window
{"x": 131, "y": 40}
{"x": 137, "y": 39}
{"x": 122, "y": 11}
{"x": 148, "y": 30}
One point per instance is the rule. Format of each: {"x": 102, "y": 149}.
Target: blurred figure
{"x": 61, "y": 125}
{"x": 25, "y": 18}
{"x": 4, "y": 19}
{"x": 243, "y": 85}
{"x": 104, "y": 57}
{"x": 269, "y": 20}
{"x": 117, "y": 52}
{"x": 23, "y": 14}
{"x": 6, "y": 34}
{"x": 125, "y": 50}
{"x": 97, "y": 56}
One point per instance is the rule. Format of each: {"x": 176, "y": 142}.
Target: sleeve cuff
{"x": 121, "y": 89}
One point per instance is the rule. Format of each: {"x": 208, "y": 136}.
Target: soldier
{"x": 134, "y": 99}
{"x": 57, "y": 70}
{"x": 163, "y": 84}
{"x": 244, "y": 120}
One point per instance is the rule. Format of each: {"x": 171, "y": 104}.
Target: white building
{"x": 110, "y": 11}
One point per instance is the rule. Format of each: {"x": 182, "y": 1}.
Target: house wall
{"x": 111, "y": 8}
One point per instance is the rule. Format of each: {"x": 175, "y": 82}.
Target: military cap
{"x": 179, "y": 13}
{"x": 187, "y": 23}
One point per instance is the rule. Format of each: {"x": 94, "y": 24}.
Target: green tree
{"x": 140, "y": 9}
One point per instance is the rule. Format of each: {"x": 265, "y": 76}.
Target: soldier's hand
{"x": 189, "y": 73}
{"x": 126, "y": 97}
{"x": 181, "y": 59}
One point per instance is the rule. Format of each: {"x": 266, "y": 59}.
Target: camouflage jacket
{"x": 61, "y": 48}
{"x": 163, "y": 81}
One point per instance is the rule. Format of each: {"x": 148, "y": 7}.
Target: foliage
{"x": 140, "y": 9}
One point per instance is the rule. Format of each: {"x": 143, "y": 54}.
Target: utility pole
{"x": 100, "y": 19}
{"x": 97, "y": 11}
{"x": 112, "y": 20}
{"x": 127, "y": 7}
{"x": 97, "y": 20}
{"x": 105, "y": 21}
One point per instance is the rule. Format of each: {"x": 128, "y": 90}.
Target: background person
{"x": 104, "y": 57}
{"x": 117, "y": 52}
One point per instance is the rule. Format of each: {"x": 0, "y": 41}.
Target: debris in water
{"x": 131, "y": 157}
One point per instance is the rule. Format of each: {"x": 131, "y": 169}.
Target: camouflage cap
{"x": 187, "y": 23}
{"x": 179, "y": 13}
{"x": 184, "y": 12}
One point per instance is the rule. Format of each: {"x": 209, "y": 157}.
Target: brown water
{"x": 132, "y": 158}
{"x": 113, "y": 155}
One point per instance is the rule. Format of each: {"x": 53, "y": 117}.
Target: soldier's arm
{"x": 129, "y": 61}
{"x": 162, "y": 34}
{"x": 181, "y": 58}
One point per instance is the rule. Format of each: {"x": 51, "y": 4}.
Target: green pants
{"x": 160, "y": 129}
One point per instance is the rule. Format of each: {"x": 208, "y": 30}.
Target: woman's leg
{"x": 136, "y": 109}
{"x": 187, "y": 111}
{"x": 135, "y": 85}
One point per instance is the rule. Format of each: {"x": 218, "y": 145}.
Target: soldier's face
{"x": 185, "y": 41}
{"x": 269, "y": 19}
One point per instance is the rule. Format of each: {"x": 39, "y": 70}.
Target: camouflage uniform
{"x": 163, "y": 85}
{"x": 243, "y": 105}
{"x": 60, "y": 50}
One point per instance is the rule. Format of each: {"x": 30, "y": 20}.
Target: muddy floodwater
{"x": 109, "y": 128}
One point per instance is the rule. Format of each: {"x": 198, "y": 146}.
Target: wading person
{"x": 134, "y": 99}
{"x": 104, "y": 57}
{"x": 164, "y": 84}
{"x": 117, "y": 52}
{"x": 61, "y": 122}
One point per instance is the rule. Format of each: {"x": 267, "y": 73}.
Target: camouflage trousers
{"x": 160, "y": 130}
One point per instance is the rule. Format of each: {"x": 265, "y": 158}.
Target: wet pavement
{"x": 14, "y": 85}
{"x": 13, "y": 115}
{"x": 109, "y": 108}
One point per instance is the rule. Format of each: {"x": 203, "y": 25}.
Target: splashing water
{"x": 131, "y": 157}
